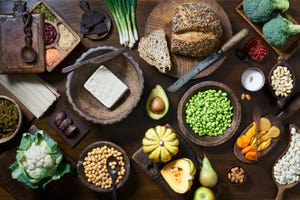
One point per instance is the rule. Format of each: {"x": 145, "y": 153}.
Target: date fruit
{"x": 71, "y": 131}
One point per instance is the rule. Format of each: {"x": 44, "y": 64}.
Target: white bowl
{"x": 253, "y": 79}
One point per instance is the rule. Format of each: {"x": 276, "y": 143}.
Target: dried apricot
{"x": 251, "y": 155}
{"x": 243, "y": 141}
{"x": 248, "y": 148}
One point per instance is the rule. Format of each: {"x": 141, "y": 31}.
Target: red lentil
{"x": 52, "y": 56}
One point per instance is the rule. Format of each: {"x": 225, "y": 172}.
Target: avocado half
{"x": 157, "y": 91}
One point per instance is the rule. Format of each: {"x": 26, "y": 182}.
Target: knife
{"x": 96, "y": 60}
{"x": 208, "y": 60}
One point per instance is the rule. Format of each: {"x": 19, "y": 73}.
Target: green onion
{"x": 123, "y": 12}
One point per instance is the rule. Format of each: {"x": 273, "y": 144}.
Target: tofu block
{"x": 105, "y": 86}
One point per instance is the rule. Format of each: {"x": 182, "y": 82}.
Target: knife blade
{"x": 208, "y": 60}
{"x": 96, "y": 60}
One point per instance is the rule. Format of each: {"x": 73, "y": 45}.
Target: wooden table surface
{"x": 129, "y": 132}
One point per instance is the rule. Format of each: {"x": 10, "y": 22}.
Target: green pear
{"x": 208, "y": 176}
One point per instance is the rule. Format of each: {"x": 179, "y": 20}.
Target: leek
{"x": 123, "y": 12}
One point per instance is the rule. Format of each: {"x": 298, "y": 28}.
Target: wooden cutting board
{"x": 21, "y": 191}
{"x": 12, "y": 39}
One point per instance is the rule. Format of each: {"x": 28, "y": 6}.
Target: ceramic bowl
{"x": 209, "y": 140}
{"x": 253, "y": 79}
{"x": 125, "y": 68}
{"x": 7, "y": 138}
{"x": 236, "y": 175}
{"x": 84, "y": 154}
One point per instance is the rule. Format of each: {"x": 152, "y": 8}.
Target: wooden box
{"x": 292, "y": 43}
{"x": 66, "y": 40}
{"x": 12, "y": 39}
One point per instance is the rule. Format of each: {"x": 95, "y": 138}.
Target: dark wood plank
{"x": 129, "y": 132}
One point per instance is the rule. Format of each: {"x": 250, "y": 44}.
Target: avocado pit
{"x": 157, "y": 105}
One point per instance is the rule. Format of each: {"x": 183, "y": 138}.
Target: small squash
{"x": 179, "y": 174}
{"x": 160, "y": 143}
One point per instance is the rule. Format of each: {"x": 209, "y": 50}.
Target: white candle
{"x": 253, "y": 79}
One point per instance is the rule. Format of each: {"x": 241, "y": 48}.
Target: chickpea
{"x": 94, "y": 166}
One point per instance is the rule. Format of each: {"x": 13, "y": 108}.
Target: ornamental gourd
{"x": 160, "y": 143}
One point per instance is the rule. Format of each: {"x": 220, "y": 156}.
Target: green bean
{"x": 209, "y": 112}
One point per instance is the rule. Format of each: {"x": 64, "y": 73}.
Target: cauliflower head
{"x": 38, "y": 160}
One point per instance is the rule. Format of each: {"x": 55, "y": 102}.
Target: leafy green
{"x": 278, "y": 29}
{"x": 123, "y": 12}
{"x": 38, "y": 160}
{"x": 260, "y": 11}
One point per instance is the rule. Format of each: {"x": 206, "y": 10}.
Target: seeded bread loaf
{"x": 196, "y": 30}
{"x": 154, "y": 50}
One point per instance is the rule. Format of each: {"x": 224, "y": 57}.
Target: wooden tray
{"x": 82, "y": 128}
{"x": 286, "y": 50}
{"x": 56, "y": 23}
{"x": 12, "y": 39}
{"x": 21, "y": 191}
{"x": 161, "y": 17}
{"x": 153, "y": 169}
{"x": 279, "y": 121}
{"x": 282, "y": 188}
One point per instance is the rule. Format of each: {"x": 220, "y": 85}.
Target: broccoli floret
{"x": 260, "y": 11}
{"x": 278, "y": 29}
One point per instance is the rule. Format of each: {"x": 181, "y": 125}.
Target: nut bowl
{"x": 206, "y": 140}
{"x": 236, "y": 175}
{"x": 6, "y": 102}
{"x": 282, "y": 82}
{"x": 94, "y": 157}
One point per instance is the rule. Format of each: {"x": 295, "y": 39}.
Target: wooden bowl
{"x": 84, "y": 153}
{"x": 280, "y": 187}
{"x": 125, "y": 68}
{"x": 7, "y": 138}
{"x": 281, "y": 100}
{"x": 234, "y": 172}
{"x": 209, "y": 140}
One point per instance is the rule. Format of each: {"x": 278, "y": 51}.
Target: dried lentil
{"x": 48, "y": 15}
{"x": 9, "y": 118}
{"x": 52, "y": 56}
{"x": 66, "y": 39}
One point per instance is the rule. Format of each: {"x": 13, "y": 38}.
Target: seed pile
{"x": 209, "y": 112}
{"x": 282, "y": 81}
{"x": 287, "y": 168}
{"x": 95, "y": 170}
{"x": 9, "y": 118}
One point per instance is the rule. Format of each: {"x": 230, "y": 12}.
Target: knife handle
{"x": 234, "y": 40}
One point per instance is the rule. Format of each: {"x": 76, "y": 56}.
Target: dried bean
{"x": 98, "y": 156}
{"x": 50, "y": 33}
